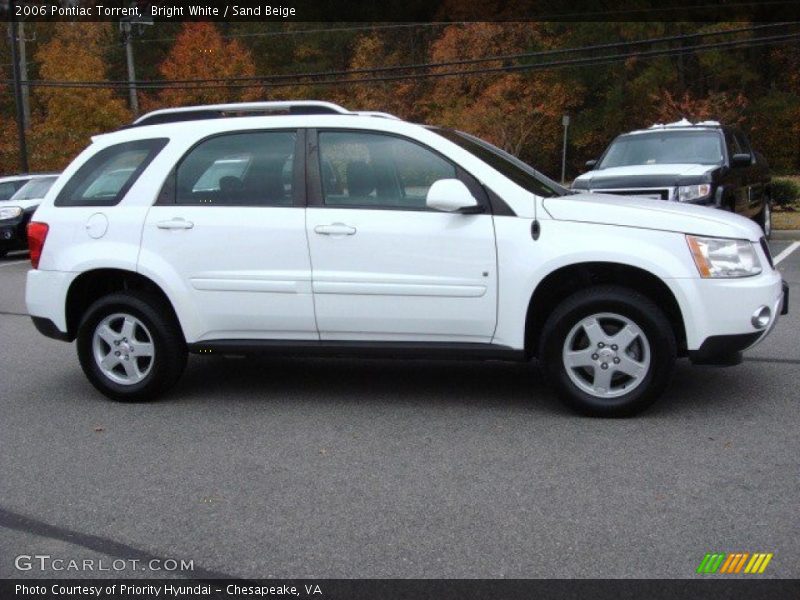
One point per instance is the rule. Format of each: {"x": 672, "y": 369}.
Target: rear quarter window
{"x": 106, "y": 177}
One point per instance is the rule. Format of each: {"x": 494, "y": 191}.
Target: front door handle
{"x": 176, "y": 223}
{"x": 335, "y": 229}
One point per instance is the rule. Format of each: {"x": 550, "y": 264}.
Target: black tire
{"x": 764, "y": 219}
{"x": 638, "y": 309}
{"x": 3, "y": 253}
{"x": 169, "y": 359}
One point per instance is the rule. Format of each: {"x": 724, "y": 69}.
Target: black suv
{"x": 704, "y": 163}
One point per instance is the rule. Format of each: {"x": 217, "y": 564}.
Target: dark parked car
{"x": 704, "y": 163}
{"x": 16, "y": 212}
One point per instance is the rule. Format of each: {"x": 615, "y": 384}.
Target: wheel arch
{"x": 568, "y": 279}
{"x": 92, "y": 285}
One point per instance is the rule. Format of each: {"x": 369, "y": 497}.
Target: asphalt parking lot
{"x": 345, "y": 468}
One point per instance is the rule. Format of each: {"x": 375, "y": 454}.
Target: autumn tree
{"x": 376, "y": 50}
{"x": 520, "y": 111}
{"x": 200, "y": 52}
{"x": 67, "y": 117}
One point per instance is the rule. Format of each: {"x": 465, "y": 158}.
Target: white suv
{"x": 303, "y": 228}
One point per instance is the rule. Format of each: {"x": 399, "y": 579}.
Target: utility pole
{"x": 23, "y": 147}
{"x": 23, "y": 70}
{"x": 126, "y": 30}
{"x": 127, "y": 38}
{"x": 565, "y": 123}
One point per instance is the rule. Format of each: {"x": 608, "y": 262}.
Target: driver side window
{"x": 376, "y": 170}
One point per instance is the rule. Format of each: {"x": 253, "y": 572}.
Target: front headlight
{"x": 687, "y": 193}
{"x": 10, "y": 212}
{"x": 717, "y": 257}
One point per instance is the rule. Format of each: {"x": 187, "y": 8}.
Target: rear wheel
{"x": 609, "y": 351}
{"x": 130, "y": 346}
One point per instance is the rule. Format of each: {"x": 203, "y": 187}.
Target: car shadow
{"x": 359, "y": 381}
{"x": 15, "y": 256}
{"x": 485, "y": 385}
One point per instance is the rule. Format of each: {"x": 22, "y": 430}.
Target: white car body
{"x": 403, "y": 276}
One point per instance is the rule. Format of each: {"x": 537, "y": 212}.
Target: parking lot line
{"x": 794, "y": 246}
{"x": 16, "y": 262}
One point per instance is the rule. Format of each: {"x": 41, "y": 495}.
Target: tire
{"x": 638, "y": 368}
{"x": 764, "y": 219}
{"x": 3, "y": 253}
{"x": 142, "y": 345}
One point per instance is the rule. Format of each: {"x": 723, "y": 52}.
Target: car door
{"x": 229, "y": 230}
{"x": 385, "y": 267}
{"x": 755, "y": 185}
{"x": 737, "y": 177}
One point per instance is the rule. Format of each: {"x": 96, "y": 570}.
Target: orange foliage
{"x": 400, "y": 98}
{"x": 518, "y": 111}
{"x": 200, "y": 52}
{"x": 68, "y": 117}
{"x": 723, "y": 107}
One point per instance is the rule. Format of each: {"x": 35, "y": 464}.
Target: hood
{"x": 634, "y": 211}
{"x": 23, "y": 204}
{"x": 647, "y": 176}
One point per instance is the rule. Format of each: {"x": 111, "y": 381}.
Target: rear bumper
{"x": 47, "y": 328}
{"x": 46, "y": 298}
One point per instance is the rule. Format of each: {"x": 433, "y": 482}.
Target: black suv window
{"x": 702, "y": 147}
{"x": 377, "y": 170}
{"x": 742, "y": 141}
{"x": 106, "y": 177}
{"x": 238, "y": 169}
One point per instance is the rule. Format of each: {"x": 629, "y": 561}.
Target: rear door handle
{"x": 335, "y": 229}
{"x": 176, "y": 223}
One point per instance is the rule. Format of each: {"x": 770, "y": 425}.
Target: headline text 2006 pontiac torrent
{"x": 299, "y": 228}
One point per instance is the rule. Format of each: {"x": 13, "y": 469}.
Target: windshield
{"x": 664, "y": 148}
{"x": 34, "y": 189}
{"x": 517, "y": 171}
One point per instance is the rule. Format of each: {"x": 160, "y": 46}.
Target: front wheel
{"x": 130, "y": 346}
{"x": 609, "y": 351}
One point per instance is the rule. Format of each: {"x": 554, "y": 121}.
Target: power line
{"x": 320, "y": 30}
{"x": 467, "y": 61}
{"x": 262, "y": 80}
{"x": 582, "y": 61}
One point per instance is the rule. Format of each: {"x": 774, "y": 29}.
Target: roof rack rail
{"x": 215, "y": 111}
{"x": 685, "y": 123}
{"x": 372, "y": 113}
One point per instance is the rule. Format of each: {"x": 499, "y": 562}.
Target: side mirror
{"x": 451, "y": 195}
{"x": 590, "y": 164}
{"x": 741, "y": 160}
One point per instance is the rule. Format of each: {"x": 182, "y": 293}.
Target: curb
{"x": 785, "y": 234}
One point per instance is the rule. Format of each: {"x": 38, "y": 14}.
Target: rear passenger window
{"x": 242, "y": 169}
{"x": 105, "y": 178}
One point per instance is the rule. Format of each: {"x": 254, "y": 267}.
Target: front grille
{"x": 661, "y": 194}
{"x": 765, "y": 248}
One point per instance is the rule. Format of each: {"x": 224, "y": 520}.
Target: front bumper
{"x": 14, "y": 232}
{"x": 726, "y": 350}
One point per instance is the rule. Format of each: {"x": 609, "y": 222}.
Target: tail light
{"x": 37, "y": 234}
